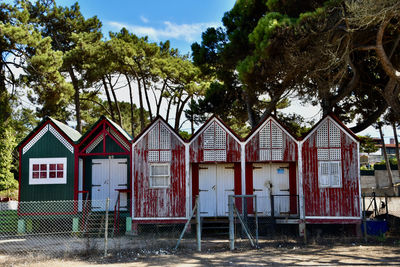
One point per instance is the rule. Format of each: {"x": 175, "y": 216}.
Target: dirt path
{"x": 289, "y": 255}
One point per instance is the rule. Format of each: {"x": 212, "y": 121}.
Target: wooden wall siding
{"x": 289, "y": 148}
{"x": 48, "y": 146}
{"x": 159, "y": 202}
{"x": 344, "y": 201}
{"x": 197, "y": 149}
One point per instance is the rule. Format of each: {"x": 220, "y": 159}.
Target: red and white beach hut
{"x": 330, "y": 174}
{"x": 215, "y": 162}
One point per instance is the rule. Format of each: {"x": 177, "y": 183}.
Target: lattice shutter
{"x": 35, "y": 139}
{"x": 153, "y": 141}
{"x": 154, "y": 156}
{"x": 265, "y": 135}
{"x": 277, "y": 154}
{"x": 276, "y": 134}
{"x": 209, "y": 155}
{"x": 118, "y": 137}
{"x": 208, "y": 137}
{"x": 265, "y": 154}
{"x": 165, "y": 137}
{"x": 322, "y": 135}
{"x": 165, "y": 155}
{"x": 323, "y": 154}
{"x": 220, "y": 137}
{"x": 334, "y": 135}
{"x": 94, "y": 144}
{"x": 61, "y": 139}
{"x": 334, "y": 154}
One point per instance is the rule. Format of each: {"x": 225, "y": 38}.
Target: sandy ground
{"x": 270, "y": 254}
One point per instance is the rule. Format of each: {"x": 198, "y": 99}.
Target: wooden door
{"x": 262, "y": 187}
{"x": 100, "y": 183}
{"x": 225, "y": 187}
{"x": 118, "y": 180}
{"x": 207, "y": 189}
{"x": 280, "y": 188}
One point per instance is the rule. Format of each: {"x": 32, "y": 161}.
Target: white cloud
{"x": 144, "y": 19}
{"x": 186, "y": 32}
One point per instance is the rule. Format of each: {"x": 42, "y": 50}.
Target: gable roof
{"x": 124, "y": 133}
{"x": 214, "y": 117}
{"x": 262, "y": 122}
{"x": 69, "y": 132}
{"x": 157, "y": 118}
{"x": 337, "y": 121}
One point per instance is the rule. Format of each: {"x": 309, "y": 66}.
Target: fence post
{"x": 106, "y": 228}
{"x": 256, "y": 217}
{"x": 198, "y": 225}
{"x": 364, "y": 220}
{"x": 231, "y": 225}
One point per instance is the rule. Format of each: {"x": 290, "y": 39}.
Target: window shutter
{"x": 324, "y": 174}
{"x": 335, "y": 172}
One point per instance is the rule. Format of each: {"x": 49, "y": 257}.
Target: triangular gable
{"x": 264, "y": 122}
{"x": 65, "y": 134}
{"x": 103, "y": 129}
{"x": 152, "y": 125}
{"x": 332, "y": 118}
{"x": 222, "y": 124}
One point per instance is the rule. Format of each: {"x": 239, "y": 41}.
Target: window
{"x": 159, "y": 144}
{"x": 271, "y": 142}
{"x": 329, "y": 174}
{"x": 214, "y": 141}
{"x": 159, "y": 175}
{"x": 47, "y": 171}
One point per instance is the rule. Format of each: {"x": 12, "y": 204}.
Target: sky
{"x": 181, "y": 22}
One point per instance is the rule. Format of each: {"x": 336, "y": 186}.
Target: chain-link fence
{"x": 80, "y": 227}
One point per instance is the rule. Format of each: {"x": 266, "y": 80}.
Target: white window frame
{"x": 48, "y": 180}
{"x": 151, "y": 175}
{"x": 329, "y": 176}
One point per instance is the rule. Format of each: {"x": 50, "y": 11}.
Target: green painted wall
{"x": 47, "y": 147}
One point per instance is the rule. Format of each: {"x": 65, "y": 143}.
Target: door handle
{"x": 257, "y": 190}
{"x": 203, "y": 190}
{"x": 229, "y": 190}
{"x": 287, "y": 190}
{"x": 94, "y": 185}
{"x": 213, "y": 188}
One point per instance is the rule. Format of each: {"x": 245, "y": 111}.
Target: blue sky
{"x": 180, "y": 21}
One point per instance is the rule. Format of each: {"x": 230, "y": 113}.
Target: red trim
{"x": 115, "y": 140}
{"x": 249, "y": 185}
{"x": 238, "y": 178}
{"x": 195, "y": 182}
{"x": 83, "y": 192}
{"x": 88, "y": 134}
{"x": 292, "y": 188}
{"x": 76, "y": 174}
{"x": 19, "y": 177}
{"x": 153, "y": 221}
{"x": 130, "y": 194}
{"x": 94, "y": 139}
{"x": 33, "y": 135}
{"x": 104, "y": 154}
{"x": 104, "y": 137}
{"x": 333, "y": 221}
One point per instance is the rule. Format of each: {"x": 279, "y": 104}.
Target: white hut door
{"x": 261, "y": 188}
{"x": 225, "y": 187}
{"x": 118, "y": 175}
{"x": 207, "y": 189}
{"x": 280, "y": 181}
{"x": 100, "y": 183}
{"x": 107, "y": 176}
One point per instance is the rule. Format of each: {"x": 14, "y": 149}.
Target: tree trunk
{"x": 386, "y": 158}
{"x": 396, "y": 141}
{"x": 77, "y": 100}
{"x": 131, "y": 101}
{"x": 108, "y": 98}
{"x": 115, "y": 100}
{"x": 161, "y": 97}
{"x": 5, "y": 110}
{"x": 147, "y": 98}
{"x": 169, "y": 108}
{"x": 179, "y": 113}
{"x": 141, "y": 110}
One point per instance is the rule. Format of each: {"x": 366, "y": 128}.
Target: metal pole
{"x": 231, "y": 225}
{"x": 364, "y": 220}
{"x": 106, "y": 228}
{"x": 256, "y": 217}
{"x": 198, "y": 225}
